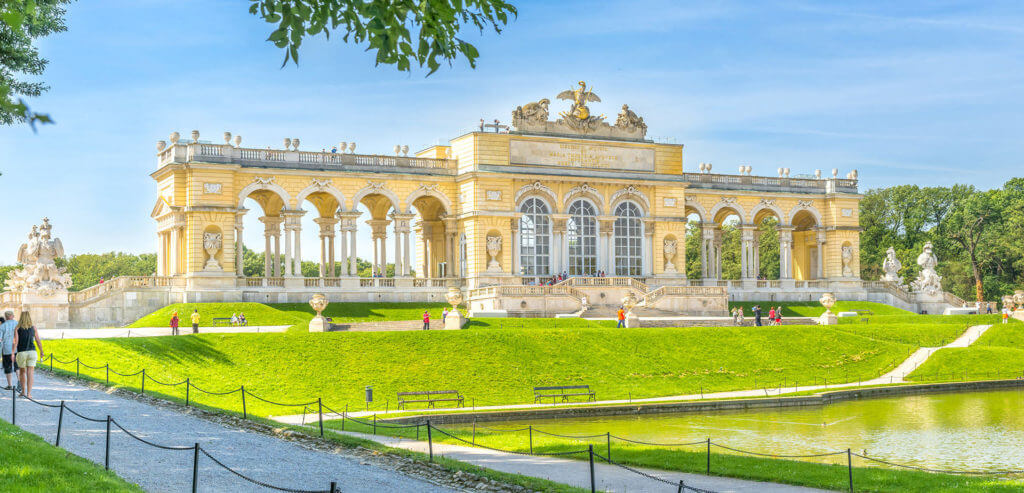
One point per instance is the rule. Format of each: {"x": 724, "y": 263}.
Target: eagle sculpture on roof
{"x": 579, "y": 97}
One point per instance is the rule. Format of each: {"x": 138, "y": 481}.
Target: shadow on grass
{"x": 173, "y": 349}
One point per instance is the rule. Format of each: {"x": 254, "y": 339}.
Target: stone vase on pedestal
{"x": 319, "y": 303}
{"x": 828, "y": 300}
{"x": 628, "y": 302}
{"x": 454, "y": 320}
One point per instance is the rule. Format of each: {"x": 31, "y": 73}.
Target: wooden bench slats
{"x": 430, "y": 397}
{"x": 543, "y": 392}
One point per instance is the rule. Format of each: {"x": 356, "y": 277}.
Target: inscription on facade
{"x": 575, "y": 155}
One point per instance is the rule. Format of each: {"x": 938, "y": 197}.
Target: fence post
{"x": 474, "y": 431}
{"x": 60, "y": 423}
{"x": 849, "y": 466}
{"x": 51, "y": 363}
{"x": 608, "y": 436}
{"x": 334, "y": 487}
{"x": 245, "y": 414}
{"x": 108, "y": 373}
{"x": 430, "y": 442}
{"x": 344, "y": 414}
{"x": 320, "y": 409}
{"x": 195, "y": 468}
{"x": 143, "y": 381}
{"x": 78, "y": 367}
{"x": 593, "y": 484}
{"x": 187, "y": 385}
{"x": 374, "y": 423}
{"x": 709, "y": 456}
{"x": 106, "y": 453}
{"x": 531, "y": 439}
{"x": 14, "y": 404}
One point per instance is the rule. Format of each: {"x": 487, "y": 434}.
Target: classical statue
{"x": 670, "y": 255}
{"x": 891, "y": 266}
{"x": 578, "y": 117}
{"x": 928, "y": 281}
{"x": 847, "y": 256}
{"x": 629, "y": 120}
{"x": 39, "y": 271}
{"x": 493, "y": 247}
{"x": 536, "y": 112}
{"x": 212, "y": 244}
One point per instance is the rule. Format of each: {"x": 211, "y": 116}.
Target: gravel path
{"x": 262, "y": 457}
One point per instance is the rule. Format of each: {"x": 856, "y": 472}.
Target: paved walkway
{"x": 894, "y": 376}
{"x": 263, "y": 457}
{"x": 608, "y": 477}
{"x": 153, "y": 331}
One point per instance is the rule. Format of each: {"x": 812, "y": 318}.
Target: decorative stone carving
{"x": 928, "y": 281}
{"x": 493, "y": 248}
{"x": 454, "y": 297}
{"x": 670, "y": 255}
{"x": 212, "y": 244}
{"x": 318, "y": 303}
{"x": 320, "y": 184}
{"x": 454, "y": 320}
{"x": 534, "y": 187}
{"x": 531, "y": 113}
{"x": 847, "y": 256}
{"x": 494, "y": 195}
{"x": 195, "y": 136}
{"x": 238, "y": 140}
{"x": 1017, "y": 299}
{"x": 175, "y": 137}
{"x": 533, "y": 117}
{"x": 828, "y": 300}
{"x": 628, "y": 303}
{"x": 376, "y": 186}
{"x": 669, "y": 201}
{"x": 729, "y": 200}
{"x": 39, "y": 273}
{"x": 891, "y": 266}
{"x": 161, "y": 145}
{"x": 427, "y": 187}
{"x": 212, "y": 187}
{"x": 633, "y": 191}
{"x": 767, "y": 203}
{"x": 805, "y": 203}
{"x": 263, "y": 181}
{"x": 227, "y": 138}
{"x": 580, "y": 189}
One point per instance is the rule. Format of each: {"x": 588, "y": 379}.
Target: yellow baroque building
{"x": 515, "y": 216}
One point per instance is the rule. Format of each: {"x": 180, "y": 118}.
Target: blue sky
{"x": 905, "y": 92}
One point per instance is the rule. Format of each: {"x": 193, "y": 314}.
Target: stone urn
{"x": 493, "y": 248}
{"x": 828, "y": 300}
{"x": 628, "y": 303}
{"x": 319, "y": 303}
{"x": 454, "y": 320}
{"x": 1018, "y": 299}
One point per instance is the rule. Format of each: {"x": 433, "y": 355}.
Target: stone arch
{"x": 724, "y": 205}
{"x": 588, "y": 192}
{"x": 377, "y": 188}
{"x": 804, "y": 206}
{"x": 537, "y": 189}
{"x": 632, "y": 194}
{"x": 428, "y": 191}
{"x": 323, "y": 186}
{"x": 541, "y": 197}
{"x": 764, "y": 207}
{"x": 261, "y": 184}
{"x": 694, "y": 207}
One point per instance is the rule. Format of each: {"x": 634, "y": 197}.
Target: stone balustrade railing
{"x": 119, "y": 283}
{"x": 824, "y": 185}
{"x": 224, "y": 153}
{"x": 347, "y": 282}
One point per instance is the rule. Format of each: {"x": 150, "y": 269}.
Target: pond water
{"x": 976, "y": 431}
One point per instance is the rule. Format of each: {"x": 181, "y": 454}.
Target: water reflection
{"x": 965, "y": 431}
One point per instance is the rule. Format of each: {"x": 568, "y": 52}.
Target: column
{"x": 323, "y": 256}
{"x": 427, "y": 250}
{"x": 348, "y": 230}
{"x": 821, "y": 253}
{"x": 288, "y": 253}
{"x": 647, "y": 259}
{"x": 707, "y": 253}
{"x": 330, "y": 255}
{"x": 514, "y": 227}
{"x": 407, "y": 260}
{"x": 239, "y": 251}
{"x": 297, "y": 269}
{"x": 353, "y": 267}
{"x": 376, "y": 255}
{"x": 161, "y": 254}
{"x": 384, "y": 251}
{"x": 785, "y": 252}
{"x": 267, "y": 252}
{"x": 173, "y": 263}
{"x": 343, "y": 255}
{"x": 747, "y": 252}
{"x": 756, "y": 268}
{"x": 398, "y": 244}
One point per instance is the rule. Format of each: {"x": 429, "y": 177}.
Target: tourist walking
{"x": 426, "y": 320}
{"x": 174, "y": 323}
{"x": 757, "y": 315}
{"x": 771, "y": 316}
{"x": 739, "y": 315}
{"x": 621, "y": 314}
{"x": 195, "y": 321}
{"x": 7, "y": 331}
{"x": 778, "y": 316}
{"x": 444, "y": 315}
{"x": 26, "y": 342}
{"x": 1006, "y": 314}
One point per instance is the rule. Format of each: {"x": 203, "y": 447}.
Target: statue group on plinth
{"x": 928, "y": 282}
{"x": 39, "y": 273}
{"x": 891, "y": 267}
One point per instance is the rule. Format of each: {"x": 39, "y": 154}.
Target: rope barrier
{"x": 166, "y": 384}
{"x": 379, "y": 424}
{"x": 550, "y": 454}
{"x": 72, "y": 411}
{"x": 40, "y": 403}
{"x": 194, "y": 386}
{"x": 90, "y": 367}
{"x": 280, "y": 403}
{"x": 147, "y": 442}
{"x": 652, "y": 476}
{"x": 940, "y": 471}
{"x": 569, "y": 436}
{"x": 256, "y": 481}
{"x": 125, "y": 375}
{"x": 777, "y": 455}
{"x": 702, "y": 442}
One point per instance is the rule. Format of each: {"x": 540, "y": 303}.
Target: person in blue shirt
{"x": 7, "y": 345}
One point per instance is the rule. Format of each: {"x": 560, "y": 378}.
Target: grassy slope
{"x": 813, "y": 308}
{"x": 27, "y": 463}
{"x": 999, "y": 353}
{"x": 297, "y": 314}
{"x": 496, "y": 366}
{"x": 832, "y": 476}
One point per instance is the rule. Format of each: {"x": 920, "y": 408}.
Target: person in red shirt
{"x": 771, "y": 316}
{"x": 426, "y": 320}
{"x": 622, "y": 318}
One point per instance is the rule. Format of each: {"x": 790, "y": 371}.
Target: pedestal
{"x": 318, "y": 324}
{"x": 454, "y": 320}
{"x": 632, "y": 320}
{"x": 828, "y": 318}
{"x": 49, "y": 311}
{"x": 1018, "y": 314}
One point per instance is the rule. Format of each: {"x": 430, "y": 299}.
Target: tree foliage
{"x": 21, "y": 23}
{"x": 401, "y": 32}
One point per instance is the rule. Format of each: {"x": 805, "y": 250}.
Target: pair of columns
{"x": 750, "y": 256}
{"x": 272, "y": 261}
{"x": 445, "y": 243}
{"x": 169, "y": 248}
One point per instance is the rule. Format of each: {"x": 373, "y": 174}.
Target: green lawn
{"x": 27, "y": 463}
{"x": 831, "y": 476}
{"x": 999, "y": 353}
{"x": 494, "y": 366}
{"x": 922, "y": 334}
{"x": 294, "y": 314}
{"x": 814, "y": 309}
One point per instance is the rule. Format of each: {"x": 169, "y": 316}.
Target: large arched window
{"x": 581, "y": 229}
{"x": 535, "y": 238}
{"x": 628, "y": 240}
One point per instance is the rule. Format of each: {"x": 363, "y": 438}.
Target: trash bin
{"x": 369, "y": 394}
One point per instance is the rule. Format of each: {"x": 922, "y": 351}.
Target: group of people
{"x": 557, "y": 278}
{"x": 21, "y": 350}
{"x": 238, "y": 320}
{"x": 774, "y": 315}
{"x": 194, "y": 318}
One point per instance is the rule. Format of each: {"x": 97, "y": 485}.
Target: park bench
{"x": 217, "y": 322}
{"x": 430, "y": 397}
{"x": 863, "y": 312}
{"x": 563, "y": 391}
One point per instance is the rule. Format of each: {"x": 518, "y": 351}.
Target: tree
{"x": 21, "y": 22}
{"x": 386, "y": 26}
{"x": 971, "y": 218}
